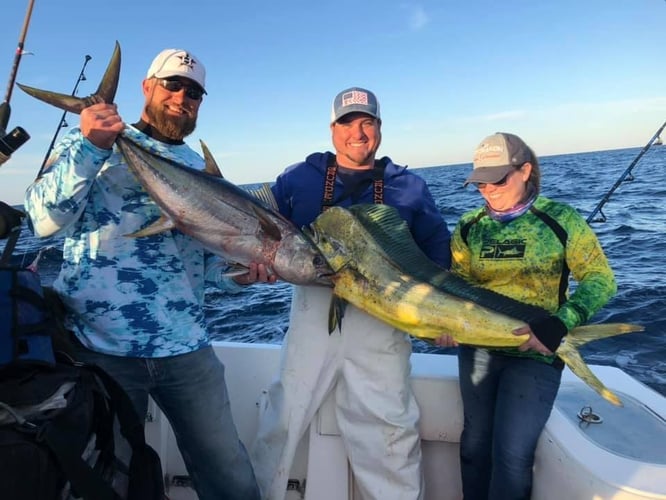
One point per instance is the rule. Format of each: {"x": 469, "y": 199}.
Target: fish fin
{"x": 336, "y": 312}
{"x": 109, "y": 84}
{"x": 267, "y": 225}
{"x": 265, "y": 195}
{"x": 235, "y": 270}
{"x": 572, "y": 358}
{"x": 580, "y": 335}
{"x": 67, "y": 102}
{"x": 162, "y": 224}
{"x": 212, "y": 167}
{"x": 106, "y": 92}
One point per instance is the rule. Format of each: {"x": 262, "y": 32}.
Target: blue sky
{"x": 568, "y": 76}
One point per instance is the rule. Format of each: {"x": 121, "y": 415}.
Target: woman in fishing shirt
{"x": 524, "y": 246}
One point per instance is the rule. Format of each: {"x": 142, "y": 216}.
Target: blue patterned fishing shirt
{"x": 139, "y": 297}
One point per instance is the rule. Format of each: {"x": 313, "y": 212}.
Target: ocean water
{"x": 633, "y": 236}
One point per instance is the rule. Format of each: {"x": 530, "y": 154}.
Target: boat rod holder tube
{"x": 604, "y": 200}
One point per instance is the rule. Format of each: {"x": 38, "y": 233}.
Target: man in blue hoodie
{"x": 366, "y": 364}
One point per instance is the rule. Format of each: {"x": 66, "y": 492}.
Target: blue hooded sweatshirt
{"x": 299, "y": 192}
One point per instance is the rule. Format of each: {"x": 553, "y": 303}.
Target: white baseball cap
{"x": 178, "y": 62}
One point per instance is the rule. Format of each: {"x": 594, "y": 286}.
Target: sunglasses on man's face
{"x": 193, "y": 92}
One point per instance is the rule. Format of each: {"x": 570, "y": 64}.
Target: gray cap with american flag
{"x": 355, "y": 100}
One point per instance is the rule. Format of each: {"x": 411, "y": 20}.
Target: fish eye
{"x": 319, "y": 261}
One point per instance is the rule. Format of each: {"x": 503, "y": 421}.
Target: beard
{"x": 173, "y": 127}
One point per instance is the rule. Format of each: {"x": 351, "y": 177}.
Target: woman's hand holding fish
{"x": 532, "y": 343}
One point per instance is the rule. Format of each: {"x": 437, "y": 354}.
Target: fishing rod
{"x": 10, "y": 142}
{"x": 62, "y": 123}
{"x": 627, "y": 172}
{"x": 17, "y": 59}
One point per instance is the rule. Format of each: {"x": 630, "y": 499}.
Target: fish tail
{"x": 67, "y": 102}
{"x": 568, "y": 352}
{"x": 572, "y": 358}
{"x": 106, "y": 91}
{"x": 583, "y": 334}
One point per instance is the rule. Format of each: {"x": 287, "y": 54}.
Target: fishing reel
{"x": 12, "y": 140}
{"x": 10, "y": 218}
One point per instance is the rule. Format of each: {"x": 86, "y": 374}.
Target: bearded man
{"x": 135, "y": 306}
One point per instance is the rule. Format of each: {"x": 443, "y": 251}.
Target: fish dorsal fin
{"x": 211, "y": 165}
{"x": 106, "y": 92}
{"x": 162, "y": 224}
{"x": 265, "y": 195}
{"x": 392, "y": 234}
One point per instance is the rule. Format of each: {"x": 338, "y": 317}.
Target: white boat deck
{"x": 621, "y": 458}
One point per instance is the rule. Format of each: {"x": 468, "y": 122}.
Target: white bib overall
{"x": 367, "y": 366}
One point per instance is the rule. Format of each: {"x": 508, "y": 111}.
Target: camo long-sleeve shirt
{"x": 125, "y": 296}
{"x": 526, "y": 260}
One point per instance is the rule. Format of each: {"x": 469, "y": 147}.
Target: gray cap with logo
{"x": 498, "y": 155}
{"x": 355, "y": 100}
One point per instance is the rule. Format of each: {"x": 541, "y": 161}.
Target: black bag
{"x": 57, "y": 436}
{"x": 25, "y": 325}
{"x": 57, "y": 415}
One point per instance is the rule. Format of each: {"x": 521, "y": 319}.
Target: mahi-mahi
{"x": 379, "y": 268}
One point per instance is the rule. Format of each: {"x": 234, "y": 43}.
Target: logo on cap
{"x": 187, "y": 60}
{"x": 354, "y": 97}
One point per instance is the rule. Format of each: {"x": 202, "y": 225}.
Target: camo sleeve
{"x": 56, "y": 199}
{"x": 590, "y": 269}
